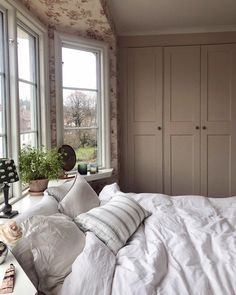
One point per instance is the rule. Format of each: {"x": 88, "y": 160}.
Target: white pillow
{"x": 55, "y": 242}
{"x": 114, "y": 222}
{"x": 108, "y": 192}
{"x": 80, "y": 198}
{"x": 22, "y": 250}
{"x": 60, "y": 191}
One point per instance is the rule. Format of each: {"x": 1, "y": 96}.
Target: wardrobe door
{"x": 144, "y": 117}
{"x": 218, "y": 116}
{"x": 182, "y": 120}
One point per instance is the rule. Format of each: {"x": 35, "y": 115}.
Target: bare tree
{"x": 79, "y": 110}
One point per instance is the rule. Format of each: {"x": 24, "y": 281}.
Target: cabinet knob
{"x": 204, "y": 127}
{"x": 197, "y": 127}
{"x": 159, "y": 127}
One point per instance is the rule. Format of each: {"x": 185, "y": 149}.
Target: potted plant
{"x": 38, "y": 166}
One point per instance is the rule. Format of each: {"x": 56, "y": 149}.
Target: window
{"x": 23, "y": 88}
{"x": 3, "y": 135}
{"x": 84, "y": 119}
{"x": 81, "y": 97}
{"x": 27, "y": 52}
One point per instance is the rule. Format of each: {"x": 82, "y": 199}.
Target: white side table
{"x": 23, "y": 285}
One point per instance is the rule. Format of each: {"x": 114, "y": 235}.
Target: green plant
{"x": 39, "y": 164}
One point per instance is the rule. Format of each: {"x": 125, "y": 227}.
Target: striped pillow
{"x": 114, "y": 222}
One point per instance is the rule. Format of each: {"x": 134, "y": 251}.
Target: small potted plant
{"x": 38, "y": 166}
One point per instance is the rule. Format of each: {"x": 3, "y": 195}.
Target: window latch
{"x": 11, "y": 41}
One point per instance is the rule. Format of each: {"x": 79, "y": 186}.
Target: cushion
{"x": 22, "y": 250}
{"x": 60, "y": 191}
{"x": 80, "y": 198}
{"x": 108, "y": 192}
{"x": 114, "y": 222}
{"x": 55, "y": 242}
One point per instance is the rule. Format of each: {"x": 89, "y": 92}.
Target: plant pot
{"x": 38, "y": 186}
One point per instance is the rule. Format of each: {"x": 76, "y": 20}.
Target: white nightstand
{"x": 23, "y": 285}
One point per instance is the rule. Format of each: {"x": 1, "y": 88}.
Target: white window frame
{"x": 71, "y": 41}
{"x": 17, "y": 13}
{"x": 35, "y": 84}
{"x": 6, "y": 89}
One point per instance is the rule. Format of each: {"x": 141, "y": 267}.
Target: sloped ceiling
{"x": 90, "y": 17}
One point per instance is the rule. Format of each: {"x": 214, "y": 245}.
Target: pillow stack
{"x": 54, "y": 242}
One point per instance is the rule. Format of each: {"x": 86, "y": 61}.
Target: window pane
{"x": 84, "y": 143}
{"x": 3, "y": 152}
{"x": 80, "y": 108}
{"x": 79, "y": 68}
{"x": 28, "y": 139}
{"x": 26, "y": 55}
{"x": 2, "y": 147}
{"x": 27, "y": 107}
{"x": 2, "y": 105}
{"x": 1, "y": 44}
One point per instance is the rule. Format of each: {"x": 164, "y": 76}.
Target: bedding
{"x": 22, "y": 251}
{"x": 186, "y": 246}
{"x": 55, "y": 243}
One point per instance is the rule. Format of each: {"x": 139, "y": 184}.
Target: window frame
{"x": 6, "y": 77}
{"x": 37, "y": 107}
{"x": 70, "y": 41}
{"x": 15, "y": 14}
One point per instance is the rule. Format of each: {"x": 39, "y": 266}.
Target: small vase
{"x": 3, "y": 252}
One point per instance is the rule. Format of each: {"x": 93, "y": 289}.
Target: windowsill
{"x": 101, "y": 174}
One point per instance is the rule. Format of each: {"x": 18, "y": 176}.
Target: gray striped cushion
{"x": 114, "y": 222}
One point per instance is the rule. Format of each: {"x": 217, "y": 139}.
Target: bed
{"x": 186, "y": 246}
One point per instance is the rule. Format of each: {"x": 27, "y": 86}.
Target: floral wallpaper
{"x": 86, "y": 18}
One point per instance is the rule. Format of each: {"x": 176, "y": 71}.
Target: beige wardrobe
{"x": 178, "y": 114}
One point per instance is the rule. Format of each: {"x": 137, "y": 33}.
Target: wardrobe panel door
{"x": 123, "y": 111}
{"x": 182, "y": 120}
{"x": 218, "y": 116}
{"x": 144, "y": 105}
{"x": 145, "y": 163}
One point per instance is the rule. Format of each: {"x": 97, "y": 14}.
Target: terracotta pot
{"x": 38, "y": 186}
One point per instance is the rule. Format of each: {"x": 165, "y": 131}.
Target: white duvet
{"x": 187, "y": 246}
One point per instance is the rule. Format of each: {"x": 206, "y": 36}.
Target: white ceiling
{"x": 138, "y": 17}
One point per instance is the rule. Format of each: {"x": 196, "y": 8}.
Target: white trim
{"x": 22, "y": 14}
{"x": 16, "y": 12}
{"x": 186, "y": 30}
{"x": 43, "y": 78}
{"x": 102, "y": 47}
{"x": 102, "y": 174}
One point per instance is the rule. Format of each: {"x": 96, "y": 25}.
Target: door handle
{"x": 159, "y": 127}
{"x": 197, "y": 127}
{"x": 204, "y": 127}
